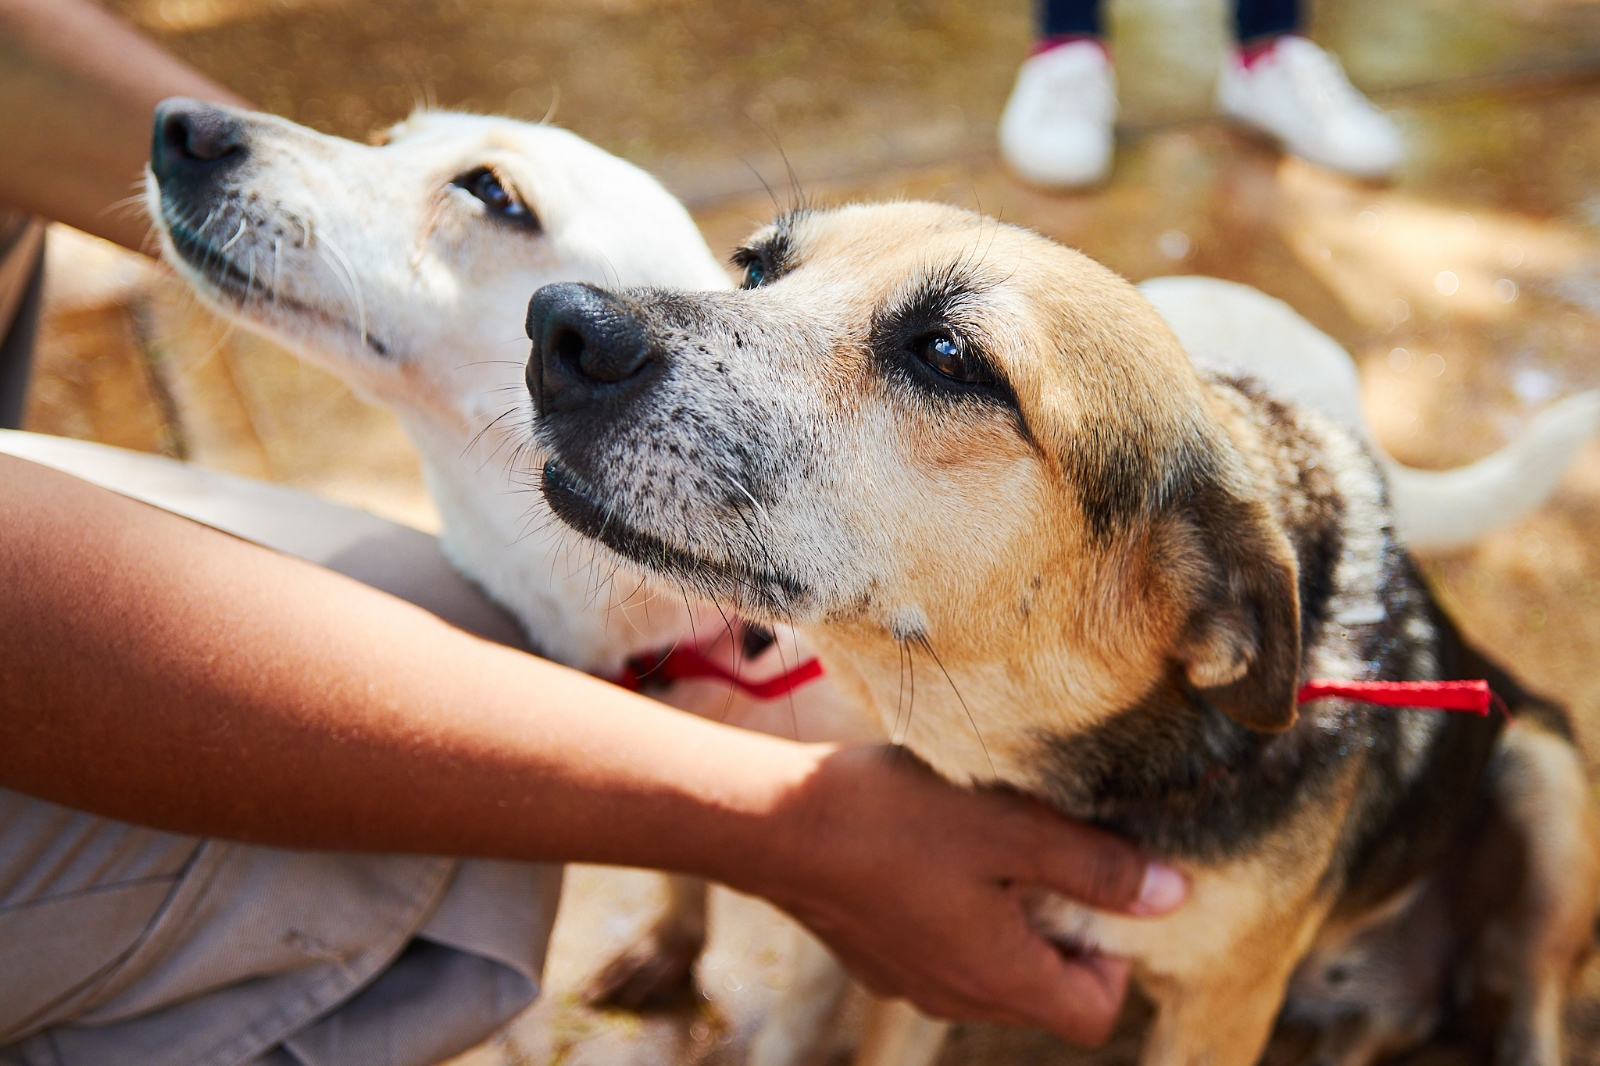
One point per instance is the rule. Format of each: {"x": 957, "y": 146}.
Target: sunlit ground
{"x": 1468, "y": 289}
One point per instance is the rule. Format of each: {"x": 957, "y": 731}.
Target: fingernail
{"x": 1163, "y": 889}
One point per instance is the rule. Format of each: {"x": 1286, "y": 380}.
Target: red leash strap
{"x": 1472, "y": 697}
{"x": 683, "y": 664}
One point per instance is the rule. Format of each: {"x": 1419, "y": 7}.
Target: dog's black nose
{"x": 588, "y": 347}
{"x": 193, "y": 139}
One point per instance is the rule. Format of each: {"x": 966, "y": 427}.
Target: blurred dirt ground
{"x": 1468, "y": 290}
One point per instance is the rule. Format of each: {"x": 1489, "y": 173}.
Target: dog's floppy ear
{"x": 1240, "y": 648}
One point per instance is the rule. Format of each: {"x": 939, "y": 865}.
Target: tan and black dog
{"x": 978, "y": 470}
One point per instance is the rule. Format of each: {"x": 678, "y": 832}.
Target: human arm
{"x": 77, "y": 91}
{"x": 159, "y": 672}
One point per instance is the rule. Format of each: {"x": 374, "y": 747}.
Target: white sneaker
{"x": 1299, "y": 94}
{"x": 1056, "y": 129}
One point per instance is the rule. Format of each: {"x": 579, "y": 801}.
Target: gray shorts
{"x": 121, "y": 945}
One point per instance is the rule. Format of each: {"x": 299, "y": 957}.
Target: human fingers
{"x": 1021, "y": 981}
{"x": 1097, "y": 868}
{"x": 921, "y": 890}
{"x": 1076, "y": 998}
{"x": 1018, "y": 976}
{"x": 1013, "y": 837}
{"x": 971, "y": 953}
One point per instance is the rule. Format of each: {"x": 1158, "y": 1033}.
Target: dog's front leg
{"x": 1217, "y": 999}
{"x": 1220, "y": 1022}
{"x": 1530, "y": 952}
{"x": 802, "y": 1016}
{"x": 658, "y": 970}
{"x": 898, "y": 1035}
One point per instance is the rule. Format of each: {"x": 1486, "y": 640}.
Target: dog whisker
{"x": 921, "y": 639}
{"x": 244, "y": 226}
{"x": 900, "y": 695}
{"x": 476, "y": 437}
{"x": 911, "y": 701}
{"x": 777, "y": 206}
{"x": 352, "y": 283}
{"x": 611, "y": 271}
{"x": 277, "y": 264}
{"x": 727, "y": 625}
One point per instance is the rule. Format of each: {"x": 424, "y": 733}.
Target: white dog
{"x": 406, "y": 268}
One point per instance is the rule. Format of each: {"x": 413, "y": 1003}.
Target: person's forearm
{"x": 162, "y": 673}
{"x": 77, "y": 91}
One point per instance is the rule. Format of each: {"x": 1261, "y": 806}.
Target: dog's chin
{"x": 210, "y": 270}
{"x": 759, "y": 592}
{"x": 233, "y": 290}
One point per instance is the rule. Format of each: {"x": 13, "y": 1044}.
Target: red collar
{"x": 683, "y": 664}
{"x": 1473, "y": 697}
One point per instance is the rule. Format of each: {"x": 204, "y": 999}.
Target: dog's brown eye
{"x": 500, "y": 201}
{"x": 946, "y": 355}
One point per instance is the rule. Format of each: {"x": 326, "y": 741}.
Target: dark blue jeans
{"x": 1252, "y": 18}
{"x": 16, "y": 341}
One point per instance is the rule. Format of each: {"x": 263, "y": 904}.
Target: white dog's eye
{"x": 946, "y": 355}
{"x": 754, "y": 274}
{"x": 499, "y": 200}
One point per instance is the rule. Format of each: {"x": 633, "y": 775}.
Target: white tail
{"x": 1234, "y": 329}
{"x": 1451, "y": 508}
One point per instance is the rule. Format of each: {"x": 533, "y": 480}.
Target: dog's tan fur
{"x": 1108, "y": 628}
{"x": 1080, "y": 545}
{"x": 1533, "y": 946}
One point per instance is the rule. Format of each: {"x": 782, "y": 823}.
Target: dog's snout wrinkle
{"x": 588, "y": 348}
{"x": 193, "y": 138}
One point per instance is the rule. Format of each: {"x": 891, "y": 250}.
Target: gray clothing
{"x": 124, "y": 946}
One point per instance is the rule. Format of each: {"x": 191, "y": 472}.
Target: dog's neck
{"x": 498, "y": 531}
{"x": 1118, "y": 745}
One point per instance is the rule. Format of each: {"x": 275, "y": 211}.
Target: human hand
{"x": 918, "y": 887}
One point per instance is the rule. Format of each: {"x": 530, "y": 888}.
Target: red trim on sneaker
{"x": 1050, "y": 44}
{"x": 1248, "y": 55}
